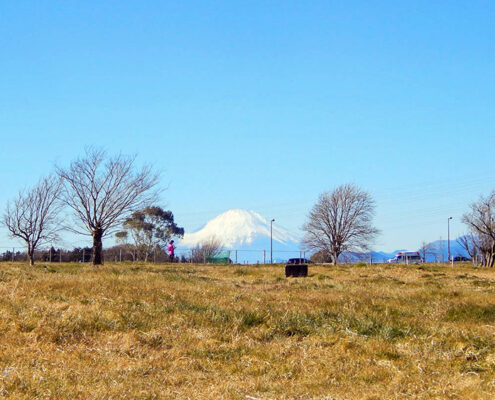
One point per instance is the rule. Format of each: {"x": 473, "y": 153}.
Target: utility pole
{"x": 271, "y": 240}
{"x": 448, "y": 237}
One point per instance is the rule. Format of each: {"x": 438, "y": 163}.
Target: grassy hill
{"x": 146, "y": 331}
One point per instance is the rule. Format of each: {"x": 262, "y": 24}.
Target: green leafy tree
{"x": 149, "y": 228}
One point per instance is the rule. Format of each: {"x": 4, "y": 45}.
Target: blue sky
{"x": 260, "y": 104}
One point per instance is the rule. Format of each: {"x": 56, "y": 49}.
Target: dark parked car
{"x": 299, "y": 261}
{"x": 461, "y": 258}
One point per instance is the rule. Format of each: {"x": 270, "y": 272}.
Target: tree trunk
{"x": 335, "y": 257}
{"x": 492, "y": 254}
{"x": 490, "y": 260}
{"x": 30, "y": 254}
{"x": 97, "y": 247}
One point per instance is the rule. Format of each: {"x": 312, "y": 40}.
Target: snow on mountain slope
{"x": 239, "y": 228}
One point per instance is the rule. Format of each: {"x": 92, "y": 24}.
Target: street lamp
{"x": 448, "y": 237}
{"x": 271, "y": 241}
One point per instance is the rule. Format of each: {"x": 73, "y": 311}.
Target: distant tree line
{"x": 202, "y": 253}
{"x": 78, "y": 254}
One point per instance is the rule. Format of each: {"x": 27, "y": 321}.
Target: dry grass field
{"x": 242, "y": 332}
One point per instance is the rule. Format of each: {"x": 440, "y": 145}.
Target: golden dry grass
{"x": 225, "y": 332}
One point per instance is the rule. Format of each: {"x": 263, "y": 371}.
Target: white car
{"x": 406, "y": 257}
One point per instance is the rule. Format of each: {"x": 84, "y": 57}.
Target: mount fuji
{"x": 245, "y": 235}
{"x": 248, "y": 232}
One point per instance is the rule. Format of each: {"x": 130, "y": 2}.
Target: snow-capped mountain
{"x": 240, "y": 229}
{"x": 245, "y": 235}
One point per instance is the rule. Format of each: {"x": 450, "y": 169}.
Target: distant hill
{"x": 438, "y": 253}
{"x": 377, "y": 256}
{"x": 440, "y": 250}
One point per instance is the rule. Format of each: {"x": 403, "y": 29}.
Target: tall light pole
{"x": 448, "y": 237}
{"x": 271, "y": 241}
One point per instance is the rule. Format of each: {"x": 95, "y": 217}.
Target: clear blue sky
{"x": 260, "y": 104}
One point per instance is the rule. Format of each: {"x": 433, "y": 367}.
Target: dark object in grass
{"x": 299, "y": 261}
{"x": 296, "y": 270}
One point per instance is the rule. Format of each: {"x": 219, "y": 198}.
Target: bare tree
{"x": 102, "y": 191}
{"x": 487, "y": 250}
{"x": 481, "y": 222}
{"x": 209, "y": 248}
{"x": 321, "y": 256}
{"x": 439, "y": 255}
{"x": 121, "y": 238}
{"x": 33, "y": 216}
{"x": 341, "y": 221}
{"x": 471, "y": 244}
{"x": 426, "y": 249}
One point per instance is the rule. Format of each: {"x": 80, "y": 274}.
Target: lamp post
{"x": 448, "y": 238}
{"x": 271, "y": 241}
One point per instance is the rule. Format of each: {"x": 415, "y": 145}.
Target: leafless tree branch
{"x": 102, "y": 191}
{"x": 341, "y": 221}
{"x": 481, "y": 222}
{"x": 426, "y": 249}
{"x": 211, "y": 247}
{"x": 33, "y": 216}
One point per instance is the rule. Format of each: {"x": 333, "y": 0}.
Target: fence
{"x": 123, "y": 254}
{"x": 251, "y": 256}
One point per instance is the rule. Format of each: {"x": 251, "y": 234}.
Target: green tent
{"x": 220, "y": 258}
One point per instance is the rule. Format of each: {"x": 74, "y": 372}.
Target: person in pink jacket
{"x": 171, "y": 250}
